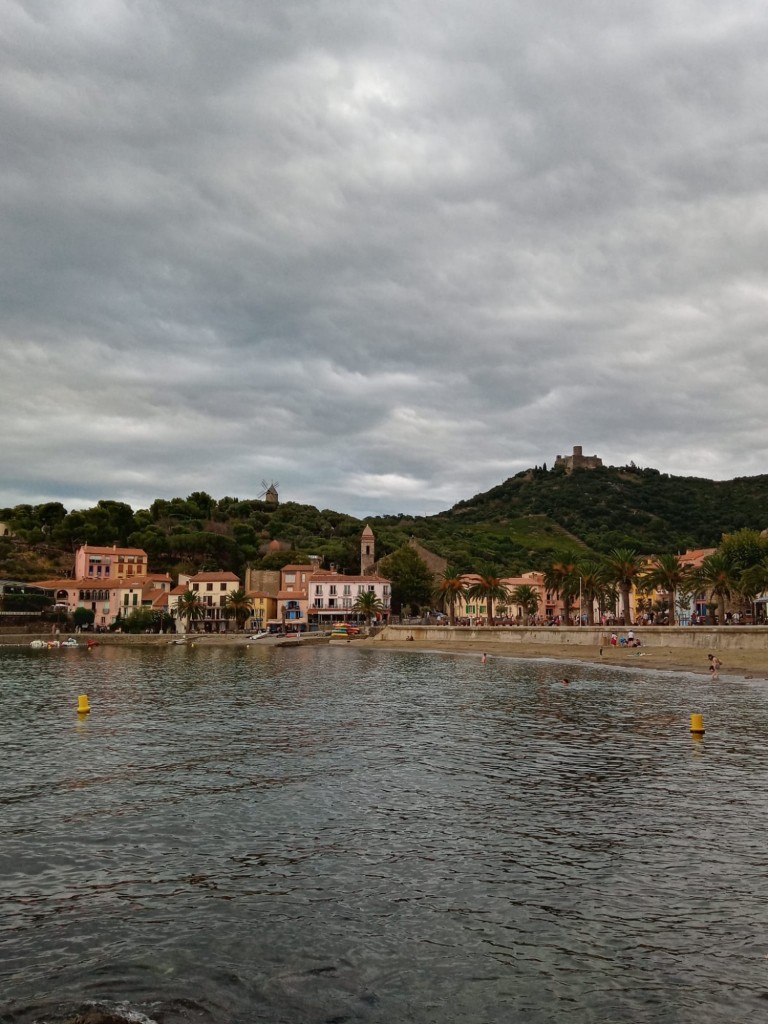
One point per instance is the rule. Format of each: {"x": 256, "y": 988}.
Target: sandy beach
{"x": 743, "y": 664}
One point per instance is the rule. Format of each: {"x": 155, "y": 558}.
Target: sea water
{"x": 336, "y": 834}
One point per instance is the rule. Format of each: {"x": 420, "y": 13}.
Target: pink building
{"x": 110, "y": 600}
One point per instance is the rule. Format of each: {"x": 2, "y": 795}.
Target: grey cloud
{"x": 386, "y": 254}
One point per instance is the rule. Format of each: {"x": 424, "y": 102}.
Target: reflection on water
{"x": 347, "y": 835}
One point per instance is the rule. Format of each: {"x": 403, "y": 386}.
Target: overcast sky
{"x": 387, "y": 254}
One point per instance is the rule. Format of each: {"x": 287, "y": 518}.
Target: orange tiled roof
{"x": 114, "y": 550}
{"x": 211, "y": 577}
{"x": 696, "y": 556}
{"x": 88, "y": 583}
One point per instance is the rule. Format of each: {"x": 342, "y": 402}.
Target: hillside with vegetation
{"x": 525, "y": 523}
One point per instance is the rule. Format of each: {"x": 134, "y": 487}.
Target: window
{"x": 371, "y": 588}
{"x": 209, "y": 586}
{"x": 347, "y": 590}
{"x": 290, "y": 577}
{"x": 196, "y": 587}
{"x": 318, "y": 602}
{"x": 346, "y": 602}
{"x": 331, "y": 602}
{"x": 360, "y": 588}
{"x": 333, "y": 588}
{"x": 222, "y": 586}
{"x": 318, "y": 589}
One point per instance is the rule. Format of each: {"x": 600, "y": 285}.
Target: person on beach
{"x": 714, "y": 666}
{"x": 484, "y": 658}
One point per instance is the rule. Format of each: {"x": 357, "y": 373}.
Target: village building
{"x": 291, "y": 611}
{"x": 213, "y": 589}
{"x": 109, "y": 563}
{"x": 110, "y": 600}
{"x": 332, "y": 597}
{"x": 263, "y": 608}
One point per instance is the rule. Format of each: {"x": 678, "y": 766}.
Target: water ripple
{"x": 345, "y": 835}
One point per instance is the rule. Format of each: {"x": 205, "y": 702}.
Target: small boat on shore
{"x": 54, "y": 645}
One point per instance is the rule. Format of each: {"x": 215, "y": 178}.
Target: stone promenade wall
{"x": 724, "y": 638}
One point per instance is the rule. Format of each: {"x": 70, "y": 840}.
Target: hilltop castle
{"x": 577, "y": 461}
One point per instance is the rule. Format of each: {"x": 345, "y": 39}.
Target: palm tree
{"x": 667, "y": 573}
{"x": 451, "y": 590}
{"x": 754, "y": 582}
{"x": 488, "y": 589}
{"x": 624, "y": 567}
{"x": 190, "y": 608}
{"x": 563, "y": 579}
{"x": 528, "y": 597}
{"x": 595, "y": 585}
{"x": 715, "y": 577}
{"x": 238, "y": 605}
{"x": 368, "y": 604}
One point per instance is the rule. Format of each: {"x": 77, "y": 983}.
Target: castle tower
{"x": 367, "y": 551}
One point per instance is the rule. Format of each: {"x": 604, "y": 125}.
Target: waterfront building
{"x": 291, "y": 612}
{"x": 213, "y": 589}
{"x": 332, "y": 597}
{"x": 109, "y": 600}
{"x": 264, "y": 608}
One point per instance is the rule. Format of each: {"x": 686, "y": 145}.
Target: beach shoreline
{"x": 749, "y": 662}
{"x": 744, "y": 664}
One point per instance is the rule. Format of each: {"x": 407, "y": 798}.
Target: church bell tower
{"x": 367, "y": 551}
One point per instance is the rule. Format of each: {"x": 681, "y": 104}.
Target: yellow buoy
{"x": 83, "y": 707}
{"x": 697, "y": 725}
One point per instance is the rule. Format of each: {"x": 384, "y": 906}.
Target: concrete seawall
{"x": 723, "y": 638}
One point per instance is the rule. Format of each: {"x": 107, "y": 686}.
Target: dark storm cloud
{"x": 387, "y": 254}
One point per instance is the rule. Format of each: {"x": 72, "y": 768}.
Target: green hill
{"x": 524, "y": 523}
